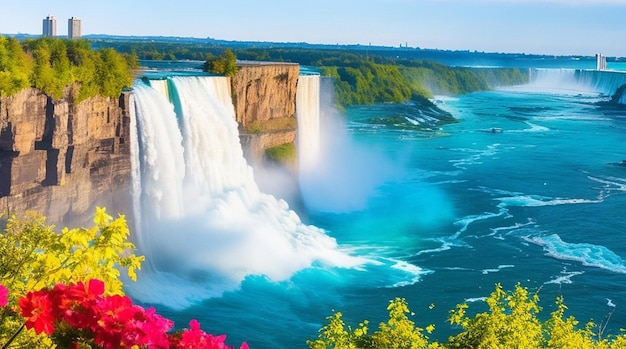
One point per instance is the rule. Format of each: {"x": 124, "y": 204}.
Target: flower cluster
{"x": 4, "y": 296}
{"x": 105, "y": 321}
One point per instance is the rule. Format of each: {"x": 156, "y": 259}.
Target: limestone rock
{"x": 264, "y": 96}
{"x": 63, "y": 159}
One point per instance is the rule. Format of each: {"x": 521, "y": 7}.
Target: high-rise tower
{"x": 73, "y": 28}
{"x": 49, "y": 26}
{"x": 600, "y": 61}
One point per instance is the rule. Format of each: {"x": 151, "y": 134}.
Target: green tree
{"x": 113, "y": 73}
{"x": 42, "y": 76}
{"x": 84, "y": 63}
{"x": 15, "y": 66}
{"x": 510, "y": 323}
{"x": 336, "y": 335}
{"x": 52, "y": 65}
{"x": 399, "y": 332}
{"x": 225, "y": 64}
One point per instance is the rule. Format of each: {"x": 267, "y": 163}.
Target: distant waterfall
{"x": 604, "y": 82}
{"x": 205, "y": 225}
{"x": 308, "y": 115}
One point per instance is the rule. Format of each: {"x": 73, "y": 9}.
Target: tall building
{"x": 600, "y": 61}
{"x": 49, "y": 26}
{"x": 73, "y": 28}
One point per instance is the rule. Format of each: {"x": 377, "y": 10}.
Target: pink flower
{"x": 195, "y": 338}
{"x": 4, "y": 296}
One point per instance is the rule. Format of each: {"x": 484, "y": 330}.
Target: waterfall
{"x": 205, "y": 225}
{"x": 308, "y": 115}
{"x": 592, "y": 81}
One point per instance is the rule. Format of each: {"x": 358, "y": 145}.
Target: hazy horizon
{"x": 550, "y": 27}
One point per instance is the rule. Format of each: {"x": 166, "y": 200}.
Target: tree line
{"x": 367, "y": 78}
{"x": 361, "y": 77}
{"x": 52, "y": 64}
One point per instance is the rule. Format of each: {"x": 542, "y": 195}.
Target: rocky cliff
{"x": 264, "y": 96}
{"x": 63, "y": 159}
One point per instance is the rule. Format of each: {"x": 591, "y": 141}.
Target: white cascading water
{"x": 308, "y": 115}
{"x": 205, "y": 225}
{"x": 578, "y": 80}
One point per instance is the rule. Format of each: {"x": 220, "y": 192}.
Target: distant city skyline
{"x": 553, "y": 27}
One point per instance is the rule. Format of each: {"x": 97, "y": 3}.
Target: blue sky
{"x": 560, "y": 27}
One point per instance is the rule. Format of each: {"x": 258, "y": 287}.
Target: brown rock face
{"x": 264, "y": 95}
{"x": 63, "y": 159}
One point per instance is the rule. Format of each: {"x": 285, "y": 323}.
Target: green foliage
{"x": 359, "y": 81}
{"x": 225, "y": 64}
{"x": 113, "y": 73}
{"x": 33, "y": 257}
{"x": 52, "y": 65}
{"x": 399, "y": 332}
{"x": 368, "y": 83}
{"x": 15, "y": 66}
{"x": 272, "y": 125}
{"x": 511, "y": 322}
{"x": 360, "y": 76}
{"x": 284, "y": 153}
{"x": 336, "y": 335}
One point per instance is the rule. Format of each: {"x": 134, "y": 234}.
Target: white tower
{"x": 73, "y": 28}
{"x": 600, "y": 61}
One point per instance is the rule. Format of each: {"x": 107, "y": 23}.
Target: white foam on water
{"x": 476, "y": 157}
{"x": 538, "y": 201}
{"x": 587, "y": 254}
{"x": 409, "y": 269}
{"x": 476, "y": 299}
{"x": 532, "y": 129}
{"x": 564, "y": 278}
{"x": 499, "y": 268}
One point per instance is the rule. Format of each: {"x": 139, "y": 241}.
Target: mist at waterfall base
{"x": 438, "y": 217}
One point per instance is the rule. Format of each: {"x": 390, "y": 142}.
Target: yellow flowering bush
{"x": 510, "y": 322}
{"x": 33, "y": 257}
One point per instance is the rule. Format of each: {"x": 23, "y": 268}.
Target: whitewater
{"x": 437, "y": 216}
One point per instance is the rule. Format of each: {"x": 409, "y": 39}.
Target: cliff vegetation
{"x": 51, "y": 64}
{"x": 224, "y": 64}
{"x": 361, "y": 76}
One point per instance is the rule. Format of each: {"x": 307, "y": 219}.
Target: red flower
{"x": 37, "y": 309}
{"x": 112, "y": 322}
{"x": 4, "y": 296}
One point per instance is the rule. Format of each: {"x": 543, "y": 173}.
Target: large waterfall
{"x": 594, "y": 81}
{"x": 203, "y": 223}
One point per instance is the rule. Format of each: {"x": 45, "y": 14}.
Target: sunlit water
{"x": 526, "y": 188}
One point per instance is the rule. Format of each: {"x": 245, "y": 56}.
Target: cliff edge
{"x": 264, "y": 96}
{"x": 63, "y": 159}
